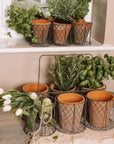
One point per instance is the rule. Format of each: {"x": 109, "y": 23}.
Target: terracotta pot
{"x": 41, "y": 29}
{"x": 33, "y": 87}
{"x": 70, "y": 110}
{"x": 99, "y": 105}
{"x": 60, "y": 33}
{"x": 52, "y": 87}
{"x": 86, "y": 90}
{"x": 81, "y": 30}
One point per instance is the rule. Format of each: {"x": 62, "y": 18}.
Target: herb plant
{"x": 20, "y": 20}
{"x": 65, "y": 72}
{"x": 81, "y": 8}
{"x": 63, "y": 10}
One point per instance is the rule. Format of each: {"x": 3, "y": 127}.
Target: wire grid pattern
{"x": 99, "y": 115}
{"x": 43, "y": 34}
{"x": 82, "y": 33}
{"x": 61, "y": 33}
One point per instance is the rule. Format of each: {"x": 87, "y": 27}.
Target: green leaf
{"x": 55, "y": 137}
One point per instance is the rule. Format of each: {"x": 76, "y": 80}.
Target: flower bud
{"x": 6, "y": 108}
{"x": 18, "y": 112}
{"x": 33, "y": 96}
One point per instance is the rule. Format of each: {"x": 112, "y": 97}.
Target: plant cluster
{"x": 65, "y": 72}
{"x": 82, "y": 71}
{"x": 67, "y": 10}
{"x": 20, "y": 20}
{"x": 81, "y": 8}
{"x": 26, "y": 104}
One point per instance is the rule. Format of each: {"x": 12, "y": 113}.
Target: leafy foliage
{"x": 20, "y": 20}
{"x": 81, "y": 8}
{"x": 82, "y": 71}
{"x": 30, "y": 107}
{"x": 62, "y": 9}
{"x": 65, "y": 72}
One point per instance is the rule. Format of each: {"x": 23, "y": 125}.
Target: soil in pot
{"x": 99, "y": 105}
{"x": 41, "y": 29}
{"x": 81, "y": 30}
{"x": 70, "y": 110}
{"x": 61, "y": 32}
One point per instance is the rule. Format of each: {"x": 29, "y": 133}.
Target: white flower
{"x": 18, "y": 112}
{"x": 6, "y": 108}
{"x": 1, "y": 91}
{"x": 7, "y": 96}
{"x": 33, "y": 96}
{"x": 7, "y": 101}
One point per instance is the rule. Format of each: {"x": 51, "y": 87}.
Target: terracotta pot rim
{"x": 82, "y": 23}
{"x": 103, "y": 87}
{"x": 91, "y": 98}
{"x": 41, "y": 22}
{"x": 46, "y": 90}
{"x": 55, "y": 23}
{"x": 71, "y": 94}
{"x": 52, "y": 86}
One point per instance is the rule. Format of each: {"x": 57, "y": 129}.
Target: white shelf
{"x": 22, "y": 46}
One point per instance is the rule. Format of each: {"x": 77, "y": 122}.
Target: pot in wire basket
{"x": 81, "y": 30}
{"x": 100, "y": 105}
{"x": 41, "y": 29}
{"x": 70, "y": 111}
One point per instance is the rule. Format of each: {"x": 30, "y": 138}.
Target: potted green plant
{"x": 94, "y": 71}
{"x": 28, "y": 22}
{"x": 80, "y": 27}
{"x": 62, "y": 11}
{"x": 64, "y": 73}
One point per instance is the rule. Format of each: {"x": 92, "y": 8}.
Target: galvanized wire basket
{"x": 100, "y": 114}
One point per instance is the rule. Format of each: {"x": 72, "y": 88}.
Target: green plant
{"x": 94, "y": 72}
{"x": 63, "y": 10}
{"x": 81, "y": 8}
{"x": 20, "y": 20}
{"x": 110, "y": 64}
{"x": 65, "y": 72}
{"x": 26, "y": 104}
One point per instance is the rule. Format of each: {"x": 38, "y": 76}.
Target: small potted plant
{"x": 94, "y": 71}
{"x": 64, "y": 73}
{"x": 80, "y": 27}
{"x": 28, "y": 22}
{"x": 62, "y": 11}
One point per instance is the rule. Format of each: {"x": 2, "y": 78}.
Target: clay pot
{"x": 41, "y": 29}
{"x": 99, "y": 105}
{"x": 81, "y": 30}
{"x": 52, "y": 87}
{"x": 70, "y": 110}
{"x": 33, "y": 87}
{"x": 60, "y": 33}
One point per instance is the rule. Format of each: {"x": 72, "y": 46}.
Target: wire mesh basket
{"x": 81, "y": 33}
{"x": 71, "y": 113}
{"x": 100, "y": 113}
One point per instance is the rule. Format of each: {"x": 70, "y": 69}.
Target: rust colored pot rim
{"x": 27, "y": 86}
{"x": 100, "y": 96}
{"x": 40, "y": 22}
{"x": 70, "y": 98}
{"x": 103, "y": 87}
{"x": 82, "y": 23}
{"x": 52, "y": 86}
{"x": 61, "y": 24}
